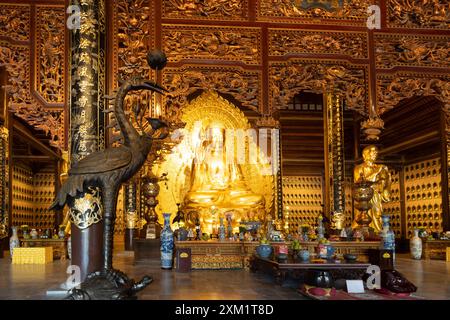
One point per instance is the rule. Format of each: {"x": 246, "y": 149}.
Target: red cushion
{"x": 320, "y": 292}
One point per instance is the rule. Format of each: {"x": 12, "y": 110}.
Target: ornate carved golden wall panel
{"x": 217, "y": 9}
{"x": 289, "y": 78}
{"x": 49, "y": 35}
{"x": 303, "y": 198}
{"x": 283, "y": 42}
{"x": 16, "y": 59}
{"x": 43, "y": 196}
{"x": 405, "y": 50}
{"x": 212, "y": 43}
{"x": 418, "y": 14}
{"x": 244, "y": 85}
{"x": 393, "y": 207}
{"x": 15, "y": 22}
{"x": 133, "y": 38}
{"x": 354, "y": 12}
{"x": 423, "y": 196}
{"x": 393, "y": 88}
{"x": 22, "y": 210}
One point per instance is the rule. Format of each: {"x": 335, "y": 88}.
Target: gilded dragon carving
{"x": 218, "y": 43}
{"x": 243, "y": 85}
{"x": 16, "y": 60}
{"x": 283, "y": 42}
{"x": 399, "y": 50}
{"x": 433, "y": 14}
{"x": 133, "y": 39}
{"x": 207, "y": 9}
{"x": 50, "y": 54}
{"x": 287, "y": 79}
{"x": 330, "y": 11}
{"x": 392, "y": 89}
{"x": 15, "y": 22}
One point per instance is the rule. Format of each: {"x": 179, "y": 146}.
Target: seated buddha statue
{"x": 216, "y": 180}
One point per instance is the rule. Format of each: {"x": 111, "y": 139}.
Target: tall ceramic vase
{"x": 13, "y": 241}
{"x": 415, "y": 245}
{"x": 166, "y": 243}
{"x": 387, "y": 235}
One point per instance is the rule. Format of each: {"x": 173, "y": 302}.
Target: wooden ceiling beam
{"x": 37, "y": 144}
{"x": 405, "y": 145}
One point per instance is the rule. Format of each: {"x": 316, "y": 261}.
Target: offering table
{"x": 214, "y": 254}
{"x": 280, "y": 270}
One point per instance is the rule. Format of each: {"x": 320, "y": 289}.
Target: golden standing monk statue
{"x": 381, "y": 178}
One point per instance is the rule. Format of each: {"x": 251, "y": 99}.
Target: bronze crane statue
{"x": 108, "y": 169}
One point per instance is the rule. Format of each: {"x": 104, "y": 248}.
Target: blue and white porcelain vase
{"x": 166, "y": 243}
{"x": 13, "y": 241}
{"x": 387, "y": 235}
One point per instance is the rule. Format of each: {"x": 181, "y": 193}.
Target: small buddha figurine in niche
{"x": 381, "y": 178}
{"x": 217, "y": 180}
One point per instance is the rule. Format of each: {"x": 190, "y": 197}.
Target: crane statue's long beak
{"x": 156, "y": 87}
{"x": 150, "y": 85}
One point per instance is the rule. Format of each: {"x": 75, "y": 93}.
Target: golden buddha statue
{"x": 381, "y": 178}
{"x": 217, "y": 183}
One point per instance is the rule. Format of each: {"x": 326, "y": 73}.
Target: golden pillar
{"x": 445, "y": 165}
{"x": 87, "y": 27}
{"x": 334, "y": 161}
{"x": 4, "y": 181}
{"x": 270, "y": 145}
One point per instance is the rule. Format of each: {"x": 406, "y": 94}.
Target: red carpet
{"x": 368, "y": 295}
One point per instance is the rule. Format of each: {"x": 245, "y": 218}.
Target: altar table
{"x": 215, "y": 254}
{"x": 435, "y": 249}
{"x": 281, "y": 269}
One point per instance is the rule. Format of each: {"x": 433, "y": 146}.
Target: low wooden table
{"x": 59, "y": 246}
{"x": 280, "y": 269}
{"x": 3, "y": 245}
{"x": 435, "y": 249}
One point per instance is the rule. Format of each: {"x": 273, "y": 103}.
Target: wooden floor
{"x": 33, "y": 281}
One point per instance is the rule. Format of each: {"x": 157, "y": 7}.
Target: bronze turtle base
{"x": 108, "y": 285}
